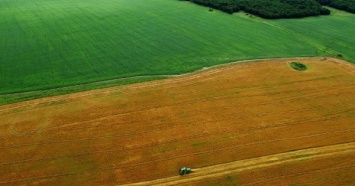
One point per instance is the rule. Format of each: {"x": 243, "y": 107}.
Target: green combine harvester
{"x": 185, "y": 170}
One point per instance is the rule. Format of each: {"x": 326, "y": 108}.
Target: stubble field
{"x": 249, "y": 123}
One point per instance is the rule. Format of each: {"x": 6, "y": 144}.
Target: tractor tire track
{"x": 220, "y": 97}
{"x": 257, "y": 163}
{"x": 174, "y": 157}
{"x": 274, "y": 125}
{"x": 264, "y": 160}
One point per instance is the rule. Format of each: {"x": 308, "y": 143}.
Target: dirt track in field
{"x": 234, "y": 113}
{"x": 255, "y": 163}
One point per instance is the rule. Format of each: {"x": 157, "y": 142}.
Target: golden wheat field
{"x": 252, "y": 123}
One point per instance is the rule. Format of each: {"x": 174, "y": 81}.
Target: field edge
{"x": 6, "y": 99}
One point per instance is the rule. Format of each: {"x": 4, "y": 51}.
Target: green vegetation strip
{"x": 53, "y": 44}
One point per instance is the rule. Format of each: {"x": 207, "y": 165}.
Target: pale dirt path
{"x": 254, "y": 163}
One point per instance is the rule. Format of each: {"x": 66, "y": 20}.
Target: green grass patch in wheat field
{"x": 51, "y": 44}
{"x": 298, "y": 66}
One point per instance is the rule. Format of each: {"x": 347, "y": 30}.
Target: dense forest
{"x": 273, "y": 9}
{"x": 347, "y": 5}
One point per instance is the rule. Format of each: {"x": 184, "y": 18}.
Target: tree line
{"x": 273, "y": 9}
{"x": 346, "y": 5}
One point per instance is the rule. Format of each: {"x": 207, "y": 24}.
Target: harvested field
{"x": 234, "y": 114}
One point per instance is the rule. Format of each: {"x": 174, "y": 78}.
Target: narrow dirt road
{"x": 254, "y": 163}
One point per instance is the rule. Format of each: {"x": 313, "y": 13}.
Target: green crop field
{"x": 47, "y": 44}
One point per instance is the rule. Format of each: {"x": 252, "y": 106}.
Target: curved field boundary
{"x": 195, "y": 74}
{"x": 32, "y": 106}
{"x": 147, "y": 76}
{"x": 28, "y": 105}
{"x": 255, "y": 163}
